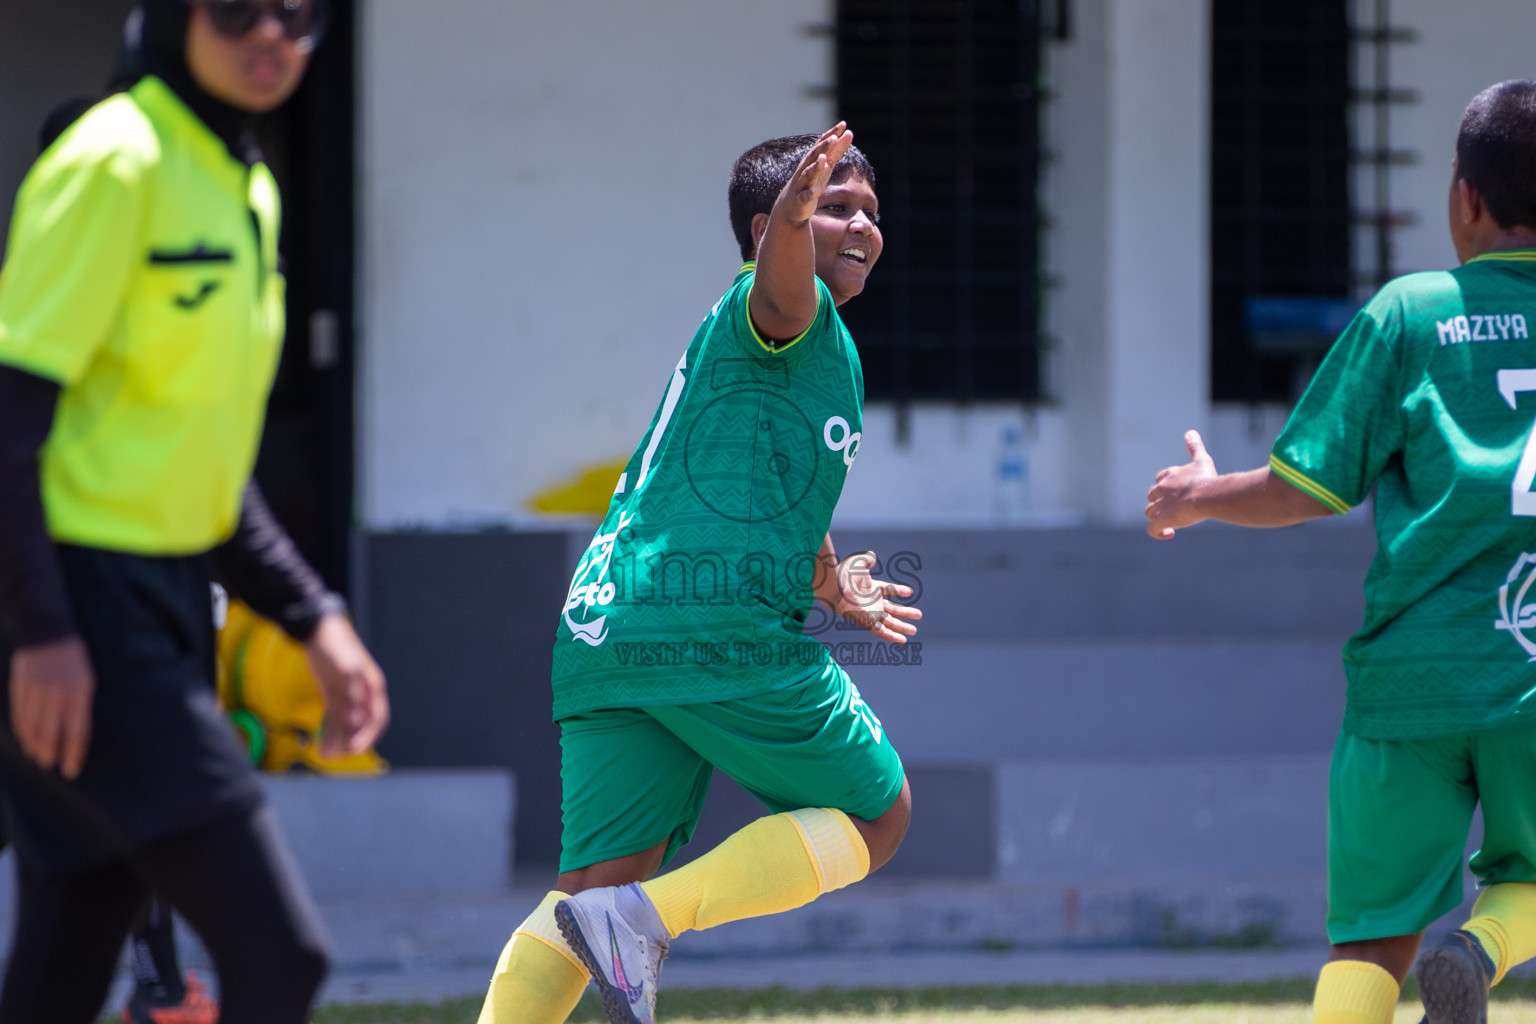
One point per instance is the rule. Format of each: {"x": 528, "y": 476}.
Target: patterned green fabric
{"x": 1430, "y": 397}
{"x": 698, "y": 584}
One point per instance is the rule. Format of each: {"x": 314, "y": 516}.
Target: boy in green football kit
{"x": 1425, "y": 397}
{"x": 683, "y": 642}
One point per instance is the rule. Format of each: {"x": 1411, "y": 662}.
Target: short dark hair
{"x": 761, "y": 173}
{"x": 1496, "y": 151}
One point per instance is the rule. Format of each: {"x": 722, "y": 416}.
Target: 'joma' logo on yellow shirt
{"x": 191, "y": 302}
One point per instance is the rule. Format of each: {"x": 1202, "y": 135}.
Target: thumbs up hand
{"x": 1171, "y": 502}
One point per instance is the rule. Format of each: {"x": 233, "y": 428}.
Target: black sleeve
{"x": 261, "y": 566}
{"x": 34, "y": 606}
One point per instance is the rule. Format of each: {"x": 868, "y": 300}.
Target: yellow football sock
{"x": 1504, "y": 922}
{"x": 775, "y": 864}
{"x": 1354, "y": 992}
{"x": 538, "y": 980}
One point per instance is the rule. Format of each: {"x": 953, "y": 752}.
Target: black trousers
{"x": 163, "y": 760}
{"x": 235, "y": 883}
{"x": 166, "y": 802}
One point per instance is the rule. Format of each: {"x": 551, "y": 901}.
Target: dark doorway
{"x": 306, "y": 467}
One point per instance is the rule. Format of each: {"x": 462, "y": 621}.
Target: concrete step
{"x": 876, "y": 917}
{"x": 895, "y": 916}
{"x": 1074, "y": 821}
{"x": 414, "y": 833}
{"x": 399, "y": 842}
{"x": 877, "y": 933}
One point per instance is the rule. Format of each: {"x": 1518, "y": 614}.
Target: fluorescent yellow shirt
{"x": 142, "y": 276}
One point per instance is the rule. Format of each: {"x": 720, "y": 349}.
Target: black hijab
{"x": 155, "y": 43}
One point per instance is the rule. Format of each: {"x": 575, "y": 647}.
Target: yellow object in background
{"x": 586, "y": 494}
{"x": 273, "y": 700}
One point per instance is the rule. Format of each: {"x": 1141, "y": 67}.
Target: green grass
{"x": 1279, "y": 1002}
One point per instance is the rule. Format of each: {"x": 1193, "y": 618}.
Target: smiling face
{"x": 846, "y": 235}
{"x": 256, "y": 73}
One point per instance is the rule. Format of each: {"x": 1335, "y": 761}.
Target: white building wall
{"x": 1463, "y": 48}
{"x": 544, "y": 226}
{"x": 1158, "y": 258}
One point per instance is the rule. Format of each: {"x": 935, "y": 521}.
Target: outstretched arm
{"x": 783, "y": 300}
{"x": 1194, "y": 492}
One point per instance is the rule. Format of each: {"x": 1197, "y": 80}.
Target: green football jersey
{"x": 1430, "y": 396}
{"x": 698, "y": 584}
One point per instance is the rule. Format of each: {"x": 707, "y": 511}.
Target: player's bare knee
{"x": 1394, "y": 953}
{"x": 637, "y": 867}
{"x": 883, "y": 835}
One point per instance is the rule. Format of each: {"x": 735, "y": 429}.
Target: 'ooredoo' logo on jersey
{"x": 840, "y": 437}
{"x": 591, "y": 589}
{"x": 1515, "y": 614}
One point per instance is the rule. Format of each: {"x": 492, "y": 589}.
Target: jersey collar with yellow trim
{"x": 768, "y": 344}
{"x": 1507, "y": 256}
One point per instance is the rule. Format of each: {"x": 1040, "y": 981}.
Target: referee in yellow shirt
{"x": 141, "y": 318}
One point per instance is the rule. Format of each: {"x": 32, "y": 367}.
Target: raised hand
{"x": 1170, "y": 502}
{"x": 865, "y": 601}
{"x": 798, "y": 200}
{"x": 784, "y": 300}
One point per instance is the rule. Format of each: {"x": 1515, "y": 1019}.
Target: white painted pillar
{"x": 1157, "y": 259}
{"x": 1129, "y": 195}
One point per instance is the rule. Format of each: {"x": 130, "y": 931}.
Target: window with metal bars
{"x": 1280, "y": 209}
{"x": 942, "y": 96}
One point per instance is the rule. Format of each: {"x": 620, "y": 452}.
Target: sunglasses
{"x": 302, "y": 20}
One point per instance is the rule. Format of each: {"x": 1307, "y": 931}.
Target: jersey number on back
{"x": 1522, "y": 501}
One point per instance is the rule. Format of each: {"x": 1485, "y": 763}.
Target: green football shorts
{"x": 635, "y": 777}
{"x": 1398, "y": 815}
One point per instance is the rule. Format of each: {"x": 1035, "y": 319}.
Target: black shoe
{"x": 1453, "y": 980}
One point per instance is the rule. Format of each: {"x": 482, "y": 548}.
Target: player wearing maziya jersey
{"x": 1430, "y": 397}
{"x": 683, "y": 642}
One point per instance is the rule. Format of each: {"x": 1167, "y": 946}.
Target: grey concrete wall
{"x": 953, "y": 832}
{"x": 1069, "y": 645}
{"x": 412, "y": 865}
{"x": 415, "y": 834}
{"x": 1162, "y": 819}
{"x": 463, "y": 625}
{"x": 1104, "y": 583}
